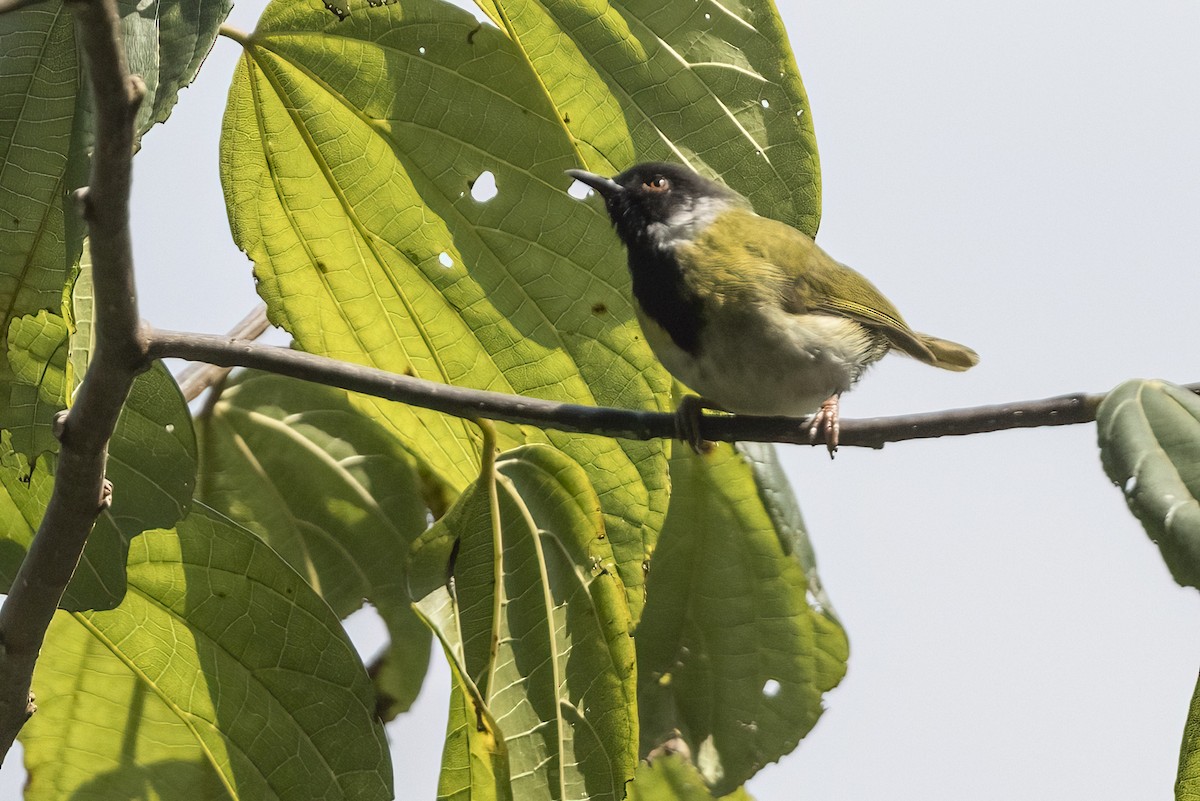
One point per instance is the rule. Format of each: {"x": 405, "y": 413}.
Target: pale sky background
{"x": 1022, "y": 177}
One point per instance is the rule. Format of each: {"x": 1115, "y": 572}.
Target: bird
{"x": 748, "y": 311}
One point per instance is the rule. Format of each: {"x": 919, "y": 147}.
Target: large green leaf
{"x": 151, "y": 463}
{"x": 1150, "y": 446}
{"x": 1187, "y": 784}
{"x": 42, "y": 157}
{"x": 349, "y": 155}
{"x": 542, "y": 649}
{"x": 104, "y": 732}
{"x": 714, "y": 85}
{"x": 738, "y": 643}
{"x": 45, "y": 128}
{"x": 221, "y": 666}
{"x": 333, "y": 494}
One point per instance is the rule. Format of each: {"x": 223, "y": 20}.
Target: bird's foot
{"x": 825, "y": 424}
{"x": 687, "y": 422}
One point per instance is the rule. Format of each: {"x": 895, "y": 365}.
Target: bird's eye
{"x": 656, "y": 184}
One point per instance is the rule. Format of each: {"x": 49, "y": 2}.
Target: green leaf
{"x": 151, "y": 461}
{"x": 672, "y": 778}
{"x": 46, "y": 128}
{"x": 333, "y": 494}
{"x": 99, "y": 579}
{"x": 1150, "y": 446}
{"x": 713, "y": 85}
{"x": 220, "y": 660}
{"x": 1187, "y": 784}
{"x": 152, "y": 455}
{"x": 43, "y": 157}
{"x": 78, "y": 307}
{"x": 738, "y": 642}
{"x": 35, "y": 383}
{"x": 350, "y": 153}
{"x": 474, "y": 760}
{"x": 102, "y": 731}
{"x": 166, "y": 41}
{"x": 536, "y": 623}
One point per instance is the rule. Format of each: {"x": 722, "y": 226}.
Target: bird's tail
{"x": 949, "y": 355}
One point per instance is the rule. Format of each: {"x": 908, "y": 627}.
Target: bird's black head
{"x": 659, "y": 204}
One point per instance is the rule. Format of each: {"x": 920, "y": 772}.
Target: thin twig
{"x": 80, "y": 491}
{"x": 626, "y": 423}
{"x": 199, "y": 376}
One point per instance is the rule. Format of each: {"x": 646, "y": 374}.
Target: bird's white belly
{"x": 773, "y": 364}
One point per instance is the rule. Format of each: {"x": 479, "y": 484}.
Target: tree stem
{"x": 625, "y": 423}
{"x": 119, "y": 355}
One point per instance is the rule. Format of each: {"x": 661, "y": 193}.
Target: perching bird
{"x": 748, "y": 311}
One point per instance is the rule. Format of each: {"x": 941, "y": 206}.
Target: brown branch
{"x": 80, "y": 490}
{"x": 626, "y": 423}
{"x": 199, "y": 376}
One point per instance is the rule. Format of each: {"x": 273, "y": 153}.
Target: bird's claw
{"x": 687, "y": 423}
{"x": 825, "y": 424}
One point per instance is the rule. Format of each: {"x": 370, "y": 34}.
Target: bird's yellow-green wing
{"x": 815, "y": 283}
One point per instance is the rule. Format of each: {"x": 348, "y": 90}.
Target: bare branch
{"x": 199, "y": 377}
{"x": 626, "y": 423}
{"x": 80, "y": 489}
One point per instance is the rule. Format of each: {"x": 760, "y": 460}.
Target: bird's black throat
{"x": 665, "y": 297}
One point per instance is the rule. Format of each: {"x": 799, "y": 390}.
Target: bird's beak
{"x": 607, "y": 187}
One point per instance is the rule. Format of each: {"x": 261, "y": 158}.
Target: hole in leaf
{"x": 445, "y": 259}
{"x": 579, "y": 190}
{"x": 483, "y": 188}
{"x": 366, "y": 629}
{"x": 771, "y": 688}
{"x": 765, "y": 103}
{"x": 421, "y": 50}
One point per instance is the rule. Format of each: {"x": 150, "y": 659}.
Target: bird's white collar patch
{"x": 686, "y": 224}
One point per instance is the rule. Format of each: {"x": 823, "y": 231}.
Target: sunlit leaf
{"x": 357, "y": 159}
{"x": 220, "y": 662}
{"x": 713, "y": 85}
{"x": 102, "y": 732}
